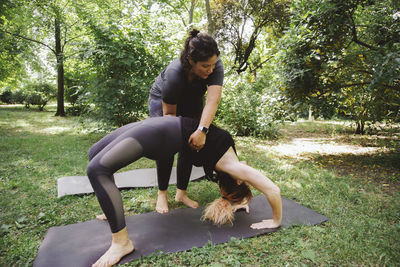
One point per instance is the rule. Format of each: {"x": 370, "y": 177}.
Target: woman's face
{"x": 203, "y": 69}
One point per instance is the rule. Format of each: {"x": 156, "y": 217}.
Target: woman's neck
{"x": 191, "y": 76}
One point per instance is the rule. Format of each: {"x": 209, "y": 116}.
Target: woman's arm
{"x": 198, "y": 139}
{"x": 168, "y": 109}
{"x": 230, "y": 164}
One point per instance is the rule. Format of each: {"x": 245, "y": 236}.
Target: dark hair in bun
{"x": 193, "y": 33}
{"x": 199, "y": 46}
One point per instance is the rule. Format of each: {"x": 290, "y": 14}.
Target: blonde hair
{"x": 220, "y": 212}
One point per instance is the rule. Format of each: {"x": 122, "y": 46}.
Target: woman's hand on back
{"x": 197, "y": 140}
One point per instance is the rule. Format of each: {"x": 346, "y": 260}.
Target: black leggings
{"x": 154, "y": 138}
{"x": 164, "y": 166}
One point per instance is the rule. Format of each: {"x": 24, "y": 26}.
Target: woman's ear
{"x": 191, "y": 62}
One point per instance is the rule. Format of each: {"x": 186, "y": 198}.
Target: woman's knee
{"x": 94, "y": 169}
{"x": 92, "y": 152}
{"x": 91, "y": 169}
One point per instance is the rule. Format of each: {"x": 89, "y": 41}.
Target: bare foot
{"x": 162, "y": 202}
{"x": 101, "y": 217}
{"x": 121, "y": 245}
{"x": 181, "y": 196}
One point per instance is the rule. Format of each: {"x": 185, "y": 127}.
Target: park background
{"x": 71, "y": 71}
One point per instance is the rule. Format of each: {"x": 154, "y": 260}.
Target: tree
{"x": 11, "y": 50}
{"x": 184, "y": 9}
{"x": 126, "y": 49}
{"x": 210, "y": 19}
{"x": 345, "y": 53}
{"x": 39, "y": 21}
{"x": 240, "y": 23}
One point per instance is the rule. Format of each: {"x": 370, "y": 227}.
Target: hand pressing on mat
{"x": 240, "y": 207}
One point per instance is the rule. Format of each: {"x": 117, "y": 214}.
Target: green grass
{"x": 36, "y": 148}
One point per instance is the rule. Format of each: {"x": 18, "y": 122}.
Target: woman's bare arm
{"x": 168, "y": 109}
{"x": 230, "y": 164}
{"x": 198, "y": 139}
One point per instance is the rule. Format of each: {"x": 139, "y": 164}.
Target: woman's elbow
{"x": 274, "y": 190}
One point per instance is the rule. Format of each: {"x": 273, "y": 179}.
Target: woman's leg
{"x": 164, "y": 167}
{"x": 119, "y": 153}
{"x": 184, "y": 169}
{"x": 102, "y": 143}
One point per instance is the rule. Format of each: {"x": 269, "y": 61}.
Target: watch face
{"x": 203, "y": 129}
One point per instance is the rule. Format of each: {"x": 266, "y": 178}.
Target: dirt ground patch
{"x": 371, "y": 158}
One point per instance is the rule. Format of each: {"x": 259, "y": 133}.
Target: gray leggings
{"x": 154, "y": 138}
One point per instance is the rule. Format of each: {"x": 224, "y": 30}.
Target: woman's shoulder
{"x": 175, "y": 66}
{"x": 217, "y": 76}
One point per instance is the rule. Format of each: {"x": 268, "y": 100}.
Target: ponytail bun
{"x": 219, "y": 212}
{"x": 193, "y": 33}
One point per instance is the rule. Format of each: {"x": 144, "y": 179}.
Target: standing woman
{"x": 179, "y": 91}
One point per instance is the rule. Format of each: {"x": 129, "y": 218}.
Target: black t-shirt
{"x": 218, "y": 141}
{"x": 173, "y": 87}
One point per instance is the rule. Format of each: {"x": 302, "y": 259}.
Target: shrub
{"x": 6, "y": 96}
{"x": 38, "y": 94}
{"x": 18, "y": 97}
{"x": 77, "y": 96}
{"x": 251, "y": 109}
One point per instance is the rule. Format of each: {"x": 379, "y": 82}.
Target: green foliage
{"x": 125, "y": 71}
{"x": 12, "y": 51}
{"x": 77, "y": 83}
{"x": 239, "y": 24}
{"x": 336, "y": 54}
{"x": 39, "y": 94}
{"x": 250, "y": 108}
{"x": 6, "y": 95}
{"x": 126, "y": 50}
{"x": 34, "y": 93}
{"x": 18, "y": 96}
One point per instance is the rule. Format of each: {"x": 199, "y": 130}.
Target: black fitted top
{"x": 218, "y": 141}
{"x": 173, "y": 87}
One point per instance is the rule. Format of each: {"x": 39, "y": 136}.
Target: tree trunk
{"x": 360, "y": 127}
{"x": 191, "y": 11}
{"x": 310, "y": 116}
{"x": 60, "y": 70}
{"x": 211, "y": 24}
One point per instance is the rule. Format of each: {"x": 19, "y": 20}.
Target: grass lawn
{"x": 353, "y": 180}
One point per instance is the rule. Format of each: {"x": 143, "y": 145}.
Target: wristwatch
{"x": 203, "y": 129}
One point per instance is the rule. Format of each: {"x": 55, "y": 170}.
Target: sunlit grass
{"x": 363, "y": 229}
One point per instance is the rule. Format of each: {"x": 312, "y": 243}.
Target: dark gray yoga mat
{"x": 83, "y": 243}
{"x": 74, "y": 185}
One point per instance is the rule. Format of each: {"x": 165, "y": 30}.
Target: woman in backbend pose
{"x": 159, "y": 138}
{"x": 179, "y": 91}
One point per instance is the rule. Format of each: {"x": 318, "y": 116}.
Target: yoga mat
{"x": 74, "y": 185}
{"x": 83, "y": 243}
